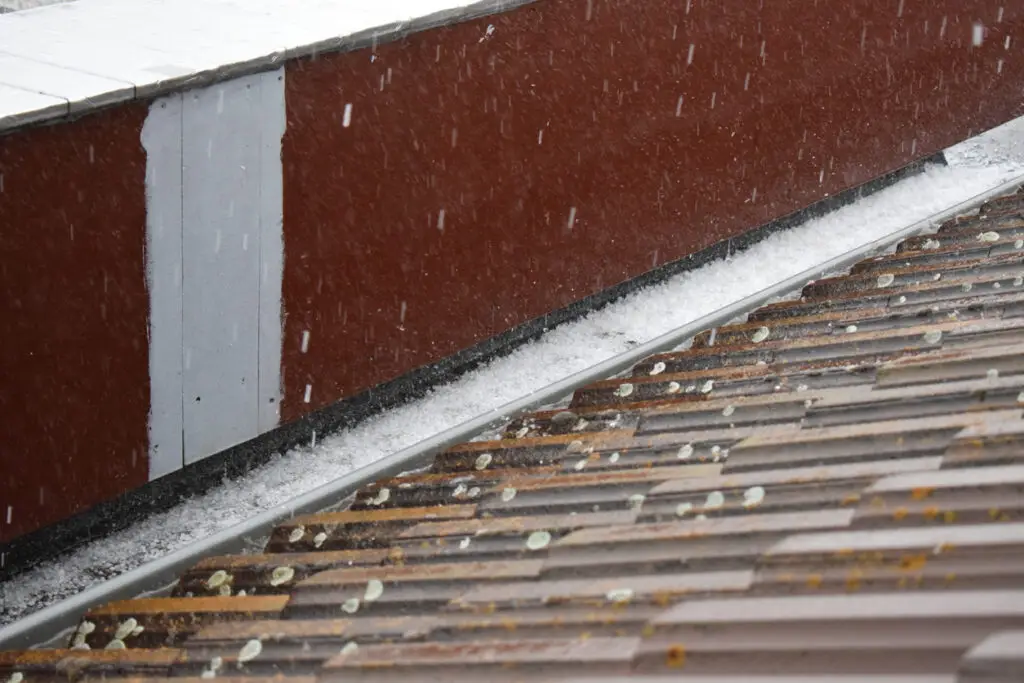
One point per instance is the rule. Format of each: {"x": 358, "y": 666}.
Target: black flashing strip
{"x": 25, "y": 552}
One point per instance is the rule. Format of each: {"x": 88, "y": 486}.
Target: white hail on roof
{"x": 975, "y": 166}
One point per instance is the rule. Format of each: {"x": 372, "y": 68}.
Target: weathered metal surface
{"x": 406, "y": 590}
{"x": 163, "y": 622}
{"x": 357, "y": 528}
{"x": 905, "y": 632}
{"x": 997, "y": 659}
{"x": 508, "y": 660}
{"x": 270, "y": 573}
{"x": 66, "y": 666}
{"x": 767, "y": 678}
{"x": 848, "y": 510}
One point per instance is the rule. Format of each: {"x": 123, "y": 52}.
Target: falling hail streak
{"x": 346, "y": 118}
{"x": 440, "y": 220}
{"x": 590, "y": 10}
{"x": 305, "y": 341}
{"x": 572, "y": 217}
{"x": 679, "y": 107}
{"x": 689, "y": 54}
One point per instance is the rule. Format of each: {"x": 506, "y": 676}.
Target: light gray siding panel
{"x": 221, "y": 220}
{"x": 271, "y": 248}
{"x": 161, "y": 138}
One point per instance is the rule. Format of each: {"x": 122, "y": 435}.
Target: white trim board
{"x": 214, "y": 222}
{"x": 93, "y": 52}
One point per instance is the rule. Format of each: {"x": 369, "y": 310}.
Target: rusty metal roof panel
{"x": 829, "y": 490}
{"x": 64, "y": 666}
{"x": 997, "y": 659}
{"x": 500, "y": 660}
{"x": 767, "y": 678}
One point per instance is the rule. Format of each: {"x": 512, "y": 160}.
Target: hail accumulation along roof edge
{"x": 754, "y": 455}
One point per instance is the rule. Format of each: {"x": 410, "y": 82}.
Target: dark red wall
{"x": 839, "y": 92}
{"x": 843, "y": 91}
{"x": 74, "y": 393}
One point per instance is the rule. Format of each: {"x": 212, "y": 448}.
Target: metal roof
{"x": 829, "y": 490}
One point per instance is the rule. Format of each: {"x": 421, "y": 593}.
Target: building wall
{"x": 184, "y": 274}
{"x": 74, "y": 379}
{"x": 494, "y": 170}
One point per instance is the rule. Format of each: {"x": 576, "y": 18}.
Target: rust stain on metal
{"x": 387, "y": 515}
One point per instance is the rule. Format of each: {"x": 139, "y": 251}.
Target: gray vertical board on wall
{"x": 161, "y": 138}
{"x": 271, "y": 247}
{"x": 222, "y": 224}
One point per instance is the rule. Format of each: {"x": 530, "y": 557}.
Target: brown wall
{"x": 450, "y": 118}
{"x": 74, "y": 393}
{"x": 844, "y": 91}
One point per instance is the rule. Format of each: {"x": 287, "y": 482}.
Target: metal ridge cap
{"x": 51, "y": 620}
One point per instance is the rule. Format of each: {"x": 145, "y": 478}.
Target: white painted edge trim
{"x": 162, "y": 140}
{"x": 271, "y": 315}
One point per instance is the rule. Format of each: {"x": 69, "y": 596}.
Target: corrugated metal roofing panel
{"x": 830, "y": 489}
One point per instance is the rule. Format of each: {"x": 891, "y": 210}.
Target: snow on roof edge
{"x": 21, "y": 117}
